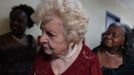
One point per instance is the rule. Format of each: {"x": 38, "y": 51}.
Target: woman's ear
{"x": 38, "y": 40}
{"x": 102, "y": 35}
{"x": 71, "y": 44}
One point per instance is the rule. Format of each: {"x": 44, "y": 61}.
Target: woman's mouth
{"x": 47, "y": 50}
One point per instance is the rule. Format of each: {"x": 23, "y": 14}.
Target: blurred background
{"x": 96, "y": 10}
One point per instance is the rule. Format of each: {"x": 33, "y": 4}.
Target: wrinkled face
{"x": 18, "y": 22}
{"x": 54, "y": 38}
{"x": 113, "y": 37}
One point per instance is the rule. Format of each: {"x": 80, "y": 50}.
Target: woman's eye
{"x": 50, "y": 34}
{"x": 115, "y": 35}
{"x": 106, "y": 34}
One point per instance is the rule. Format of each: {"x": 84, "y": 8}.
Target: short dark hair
{"x": 27, "y": 9}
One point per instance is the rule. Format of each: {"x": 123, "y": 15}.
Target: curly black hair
{"x": 27, "y": 9}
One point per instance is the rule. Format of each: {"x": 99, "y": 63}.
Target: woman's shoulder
{"x": 4, "y": 36}
{"x": 95, "y": 50}
{"x": 128, "y": 67}
{"x": 128, "y": 59}
{"x": 87, "y": 53}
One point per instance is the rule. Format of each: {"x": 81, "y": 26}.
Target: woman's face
{"x": 54, "y": 38}
{"x": 113, "y": 37}
{"x": 18, "y": 22}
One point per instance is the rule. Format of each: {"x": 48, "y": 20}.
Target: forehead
{"x": 18, "y": 13}
{"x": 53, "y": 24}
{"x": 115, "y": 29}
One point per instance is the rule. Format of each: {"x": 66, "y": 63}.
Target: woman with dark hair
{"x": 112, "y": 52}
{"x": 17, "y": 50}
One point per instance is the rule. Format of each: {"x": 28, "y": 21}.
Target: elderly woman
{"x": 17, "y": 50}
{"x": 63, "y": 25}
{"x": 112, "y": 51}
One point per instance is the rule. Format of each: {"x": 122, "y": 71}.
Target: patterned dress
{"x": 85, "y": 64}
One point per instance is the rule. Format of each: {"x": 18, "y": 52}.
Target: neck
{"x": 71, "y": 52}
{"x": 18, "y": 35}
{"x": 113, "y": 52}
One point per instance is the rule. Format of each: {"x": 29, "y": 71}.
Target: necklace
{"x": 22, "y": 40}
{"x": 66, "y": 60}
{"x": 70, "y": 52}
{"x": 111, "y": 55}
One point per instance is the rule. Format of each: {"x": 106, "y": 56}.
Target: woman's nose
{"x": 15, "y": 23}
{"x": 43, "y": 39}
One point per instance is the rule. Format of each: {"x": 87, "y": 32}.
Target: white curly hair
{"x": 69, "y": 11}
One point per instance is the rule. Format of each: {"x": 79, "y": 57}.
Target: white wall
{"x": 96, "y": 11}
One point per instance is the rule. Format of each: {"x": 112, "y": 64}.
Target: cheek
{"x": 58, "y": 46}
{"x": 118, "y": 42}
{"x": 107, "y": 42}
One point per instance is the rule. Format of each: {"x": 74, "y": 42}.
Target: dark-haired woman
{"x": 112, "y": 52}
{"x": 17, "y": 50}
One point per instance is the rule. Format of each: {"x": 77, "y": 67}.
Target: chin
{"x": 48, "y": 52}
{"x": 107, "y": 44}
